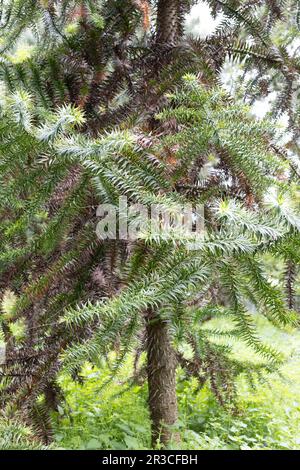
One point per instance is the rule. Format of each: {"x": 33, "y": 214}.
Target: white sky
{"x": 199, "y": 21}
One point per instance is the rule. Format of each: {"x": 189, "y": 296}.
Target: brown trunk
{"x": 161, "y": 371}
{"x": 161, "y": 359}
{"x": 168, "y": 21}
{"x": 52, "y": 397}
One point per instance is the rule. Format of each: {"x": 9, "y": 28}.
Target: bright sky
{"x": 199, "y": 21}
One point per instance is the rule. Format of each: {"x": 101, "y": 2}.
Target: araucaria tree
{"x": 103, "y": 99}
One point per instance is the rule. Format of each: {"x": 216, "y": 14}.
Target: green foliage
{"x": 94, "y": 417}
{"x": 238, "y": 232}
{"x": 15, "y": 436}
{"x": 94, "y": 107}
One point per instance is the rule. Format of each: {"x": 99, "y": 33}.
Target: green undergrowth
{"x": 94, "y": 416}
{"x": 115, "y": 417}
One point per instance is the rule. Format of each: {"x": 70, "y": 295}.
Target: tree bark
{"x": 161, "y": 371}
{"x": 52, "y": 396}
{"x": 170, "y": 21}
{"x": 167, "y": 21}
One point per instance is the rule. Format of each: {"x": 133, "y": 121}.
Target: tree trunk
{"x": 161, "y": 359}
{"x": 161, "y": 371}
{"x": 168, "y": 21}
{"x": 52, "y": 396}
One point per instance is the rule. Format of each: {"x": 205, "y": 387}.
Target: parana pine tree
{"x": 107, "y": 99}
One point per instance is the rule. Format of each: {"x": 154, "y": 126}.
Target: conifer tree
{"x": 110, "y": 99}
